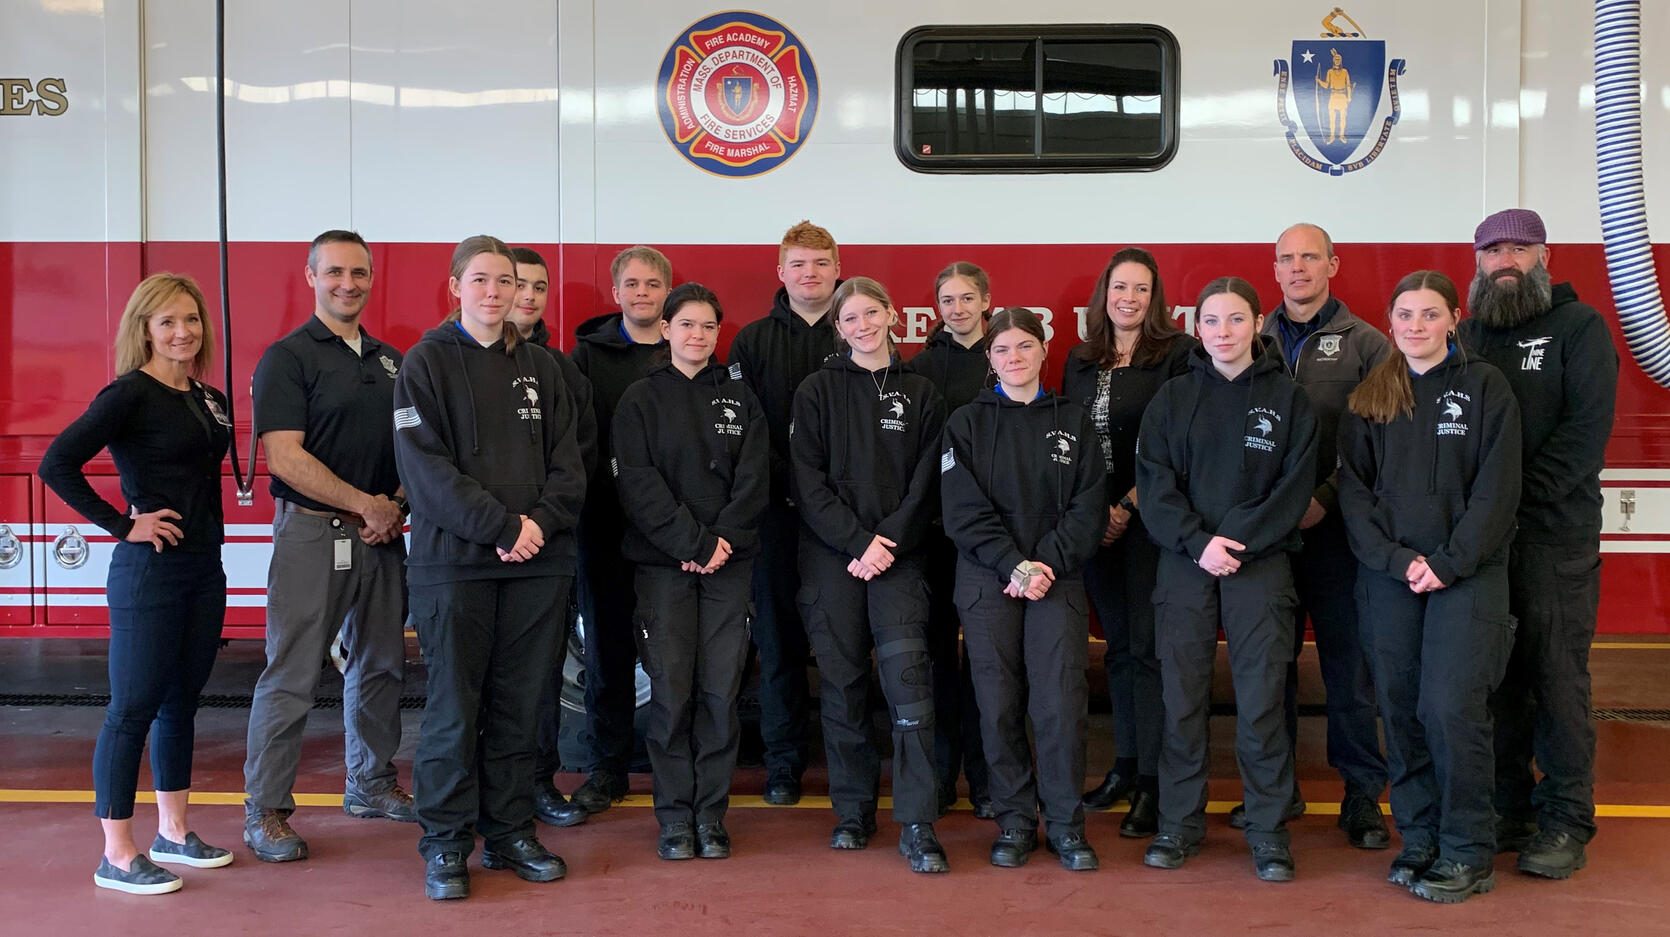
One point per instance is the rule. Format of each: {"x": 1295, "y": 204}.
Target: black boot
{"x": 1012, "y": 848}
{"x": 1450, "y": 882}
{"x": 1552, "y": 855}
{"x": 1411, "y": 864}
{"x": 1074, "y": 851}
{"x": 677, "y": 841}
{"x": 444, "y": 876}
{"x": 918, "y": 843}
{"x": 551, "y": 807}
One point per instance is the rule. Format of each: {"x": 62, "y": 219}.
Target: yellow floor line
{"x": 216, "y": 798}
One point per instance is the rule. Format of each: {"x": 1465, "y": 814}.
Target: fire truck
{"x": 1031, "y": 139}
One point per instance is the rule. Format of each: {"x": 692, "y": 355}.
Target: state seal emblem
{"x": 1337, "y": 79}
{"x": 737, "y": 94}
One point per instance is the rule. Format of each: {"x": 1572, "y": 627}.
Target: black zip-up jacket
{"x": 1441, "y": 483}
{"x": 585, "y": 429}
{"x": 481, "y": 438}
{"x": 1129, "y": 391}
{"x": 1236, "y": 459}
{"x": 864, "y": 446}
{"x": 1331, "y": 362}
{"x": 1563, "y": 368}
{"x": 1023, "y": 481}
{"x": 958, "y": 373}
{"x": 612, "y": 363}
{"x": 690, "y": 457}
{"x": 775, "y": 354}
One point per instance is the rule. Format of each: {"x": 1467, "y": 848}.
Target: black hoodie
{"x": 959, "y": 373}
{"x": 864, "y": 446}
{"x": 690, "y": 462}
{"x": 482, "y": 437}
{"x": 1236, "y": 459}
{"x": 1563, "y": 367}
{"x": 585, "y": 431}
{"x": 775, "y": 354}
{"x": 1023, "y": 481}
{"x": 1130, "y": 389}
{"x": 1442, "y": 483}
{"x": 612, "y": 362}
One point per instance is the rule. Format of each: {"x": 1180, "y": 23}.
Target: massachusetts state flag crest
{"x": 1337, "y": 80}
{"x": 737, "y": 94}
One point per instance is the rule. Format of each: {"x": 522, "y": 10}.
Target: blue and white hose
{"x": 1623, "y": 201}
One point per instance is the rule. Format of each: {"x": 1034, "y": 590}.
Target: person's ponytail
{"x": 1386, "y": 393}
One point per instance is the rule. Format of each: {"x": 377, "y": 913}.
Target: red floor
{"x": 365, "y": 877}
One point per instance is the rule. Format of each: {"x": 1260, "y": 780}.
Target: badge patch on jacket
{"x": 893, "y": 406}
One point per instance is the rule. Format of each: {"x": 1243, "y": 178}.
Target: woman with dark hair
{"x": 485, "y": 443}
{"x": 1429, "y": 484}
{"x": 864, "y": 445}
{"x": 1025, "y": 501}
{"x": 691, "y": 464}
{"x": 1225, "y": 462}
{"x": 167, "y": 433}
{"x": 1130, "y": 349}
{"x": 954, "y": 359}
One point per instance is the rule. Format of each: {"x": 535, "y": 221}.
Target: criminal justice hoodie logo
{"x": 893, "y": 405}
{"x": 1263, "y": 421}
{"x": 728, "y": 409}
{"x": 530, "y": 392}
{"x": 1061, "y": 446}
{"x": 1450, "y": 410}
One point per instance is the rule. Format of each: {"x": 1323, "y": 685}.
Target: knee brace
{"x": 907, "y": 676}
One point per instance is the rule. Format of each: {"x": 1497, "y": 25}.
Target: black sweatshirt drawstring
{"x": 469, "y": 398}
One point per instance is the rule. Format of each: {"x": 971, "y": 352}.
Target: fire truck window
{"x": 1037, "y": 98}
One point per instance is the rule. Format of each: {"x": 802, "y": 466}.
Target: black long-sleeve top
{"x": 167, "y": 445}
{"x": 1023, "y": 480}
{"x": 690, "y": 463}
{"x": 1563, "y": 368}
{"x": 1442, "y": 482}
{"x": 483, "y": 437}
{"x": 1130, "y": 388}
{"x": 1231, "y": 458}
{"x": 864, "y": 449}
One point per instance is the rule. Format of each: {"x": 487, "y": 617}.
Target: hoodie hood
{"x": 605, "y": 329}
{"x": 540, "y": 334}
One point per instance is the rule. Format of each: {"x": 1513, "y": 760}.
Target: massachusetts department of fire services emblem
{"x": 737, "y": 94}
{"x": 1337, "y": 79}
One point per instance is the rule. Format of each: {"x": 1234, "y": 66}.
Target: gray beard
{"x": 1509, "y": 298}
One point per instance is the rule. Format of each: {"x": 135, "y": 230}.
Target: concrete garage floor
{"x": 783, "y": 879}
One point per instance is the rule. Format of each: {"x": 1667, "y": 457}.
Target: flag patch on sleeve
{"x": 406, "y": 418}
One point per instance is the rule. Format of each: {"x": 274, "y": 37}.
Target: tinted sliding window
{"x": 1037, "y": 98}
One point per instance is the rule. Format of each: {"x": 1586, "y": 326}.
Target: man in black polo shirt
{"x": 324, "y": 404}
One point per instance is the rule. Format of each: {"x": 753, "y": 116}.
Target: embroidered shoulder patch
{"x": 947, "y": 461}
{"x": 736, "y": 371}
{"x": 406, "y": 418}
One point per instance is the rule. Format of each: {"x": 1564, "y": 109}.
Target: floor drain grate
{"x": 1632, "y": 715}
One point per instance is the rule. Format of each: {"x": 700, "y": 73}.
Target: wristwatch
{"x": 400, "y": 502}
{"x": 1128, "y": 504}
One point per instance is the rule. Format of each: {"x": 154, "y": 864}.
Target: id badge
{"x": 344, "y": 554}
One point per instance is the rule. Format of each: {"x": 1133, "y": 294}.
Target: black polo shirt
{"x": 310, "y": 380}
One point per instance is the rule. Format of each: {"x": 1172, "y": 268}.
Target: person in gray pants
{"x": 324, "y": 399}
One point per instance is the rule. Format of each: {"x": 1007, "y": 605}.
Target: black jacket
{"x": 1129, "y": 391}
{"x": 864, "y": 446}
{"x": 1563, "y": 368}
{"x": 775, "y": 354}
{"x": 690, "y": 463}
{"x": 612, "y": 362}
{"x": 1023, "y": 481}
{"x": 585, "y": 430}
{"x": 959, "y": 373}
{"x": 1442, "y": 483}
{"x": 482, "y": 437}
{"x": 1329, "y": 365}
{"x": 1236, "y": 459}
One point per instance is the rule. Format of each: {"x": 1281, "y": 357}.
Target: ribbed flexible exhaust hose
{"x": 1623, "y": 199}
